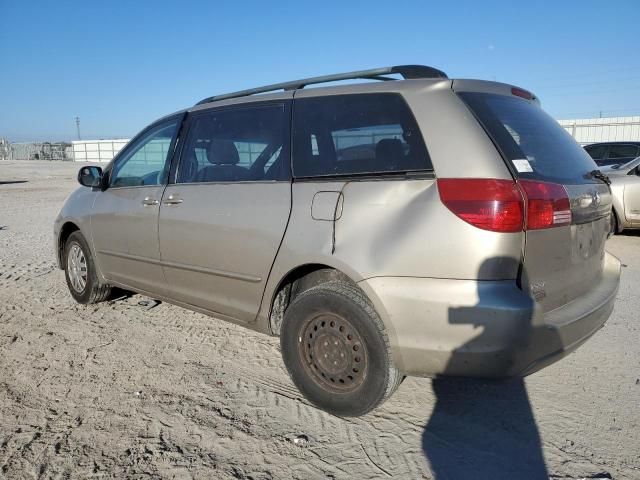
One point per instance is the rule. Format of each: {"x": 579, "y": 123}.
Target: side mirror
{"x": 90, "y": 176}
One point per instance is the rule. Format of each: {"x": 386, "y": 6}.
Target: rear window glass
{"x": 356, "y": 134}
{"x": 535, "y": 144}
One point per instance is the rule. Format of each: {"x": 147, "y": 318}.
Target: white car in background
{"x": 625, "y": 186}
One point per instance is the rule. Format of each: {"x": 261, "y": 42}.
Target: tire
{"x": 78, "y": 254}
{"x": 336, "y": 350}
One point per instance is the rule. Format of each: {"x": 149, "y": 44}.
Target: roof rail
{"x": 406, "y": 71}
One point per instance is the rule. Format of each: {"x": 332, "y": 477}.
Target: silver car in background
{"x": 625, "y": 187}
{"x": 418, "y": 226}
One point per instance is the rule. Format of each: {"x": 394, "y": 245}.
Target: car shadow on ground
{"x": 10, "y": 182}
{"x": 485, "y": 428}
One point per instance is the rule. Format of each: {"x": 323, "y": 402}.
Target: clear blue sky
{"x": 120, "y": 64}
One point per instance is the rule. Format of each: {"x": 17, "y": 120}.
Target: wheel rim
{"x": 333, "y": 353}
{"x": 77, "y": 268}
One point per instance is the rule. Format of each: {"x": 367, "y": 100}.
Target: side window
{"x": 145, "y": 161}
{"x": 236, "y": 144}
{"x": 356, "y": 134}
{"x": 597, "y": 152}
{"x": 623, "y": 151}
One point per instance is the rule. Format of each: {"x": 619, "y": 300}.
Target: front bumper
{"x": 484, "y": 328}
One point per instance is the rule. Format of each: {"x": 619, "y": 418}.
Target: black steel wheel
{"x": 335, "y": 354}
{"x": 336, "y": 349}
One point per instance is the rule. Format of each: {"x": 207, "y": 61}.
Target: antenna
{"x": 78, "y": 126}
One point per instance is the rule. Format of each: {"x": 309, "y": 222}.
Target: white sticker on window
{"x": 522, "y": 165}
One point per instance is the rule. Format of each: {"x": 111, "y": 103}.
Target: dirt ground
{"x": 131, "y": 389}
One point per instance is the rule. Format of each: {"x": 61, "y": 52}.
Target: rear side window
{"x": 356, "y": 135}
{"x": 236, "y": 144}
{"x": 536, "y": 145}
{"x": 623, "y": 151}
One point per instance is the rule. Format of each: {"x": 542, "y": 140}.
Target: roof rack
{"x": 406, "y": 71}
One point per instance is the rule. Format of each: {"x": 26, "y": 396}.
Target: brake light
{"x": 489, "y": 204}
{"x": 504, "y": 205}
{"x": 522, "y": 93}
{"x": 547, "y": 205}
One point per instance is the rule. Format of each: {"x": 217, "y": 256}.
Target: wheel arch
{"x": 618, "y": 223}
{"x": 67, "y": 229}
{"x": 296, "y": 281}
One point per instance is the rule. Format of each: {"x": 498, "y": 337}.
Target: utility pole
{"x": 78, "y": 126}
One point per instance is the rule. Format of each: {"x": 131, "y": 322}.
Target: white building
{"x": 96, "y": 150}
{"x": 611, "y": 129}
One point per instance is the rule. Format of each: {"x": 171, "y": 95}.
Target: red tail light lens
{"x": 547, "y": 205}
{"x": 489, "y": 204}
{"x": 504, "y": 205}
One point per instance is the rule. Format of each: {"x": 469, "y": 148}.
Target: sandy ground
{"x": 128, "y": 389}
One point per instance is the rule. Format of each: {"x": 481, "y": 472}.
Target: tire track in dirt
{"x": 11, "y": 274}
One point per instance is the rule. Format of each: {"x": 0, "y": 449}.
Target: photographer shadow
{"x": 485, "y": 429}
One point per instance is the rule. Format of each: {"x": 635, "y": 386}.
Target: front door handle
{"x": 148, "y": 201}
{"x": 172, "y": 199}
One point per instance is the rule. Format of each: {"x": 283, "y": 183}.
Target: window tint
{"x": 597, "y": 152}
{"x": 356, "y": 134}
{"x": 538, "y": 147}
{"x": 235, "y": 145}
{"x": 145, "y": 161}
{"x": 623, "y": 151}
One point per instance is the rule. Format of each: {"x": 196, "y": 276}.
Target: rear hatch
{"x": 567, "y": 209}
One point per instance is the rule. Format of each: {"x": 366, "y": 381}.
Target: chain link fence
{"x": 80, "y": 151}
{"x": 36, "y": 151}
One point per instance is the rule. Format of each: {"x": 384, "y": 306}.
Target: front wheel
{"x": 336, "y": 350}
{"x": 80, "y": 272}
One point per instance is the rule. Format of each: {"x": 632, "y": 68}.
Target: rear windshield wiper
{"x": 597, "y": 174}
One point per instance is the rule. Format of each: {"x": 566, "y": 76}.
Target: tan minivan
{"x": 400, "y": 226}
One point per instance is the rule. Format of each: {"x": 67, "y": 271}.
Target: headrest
{"x": 389, "y": 149}
{"x": 223, "y": 152}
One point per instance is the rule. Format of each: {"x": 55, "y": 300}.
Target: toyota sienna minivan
{"x": 410, "y": 224}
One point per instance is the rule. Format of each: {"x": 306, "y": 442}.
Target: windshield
{"x": 535, "y": 144}
{"x": 629, "y": 165}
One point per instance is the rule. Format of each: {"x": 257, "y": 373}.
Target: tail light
{"x": 494, "y": 205}
{"x": 547, "y": 205}
{"x": 504, "y": 205}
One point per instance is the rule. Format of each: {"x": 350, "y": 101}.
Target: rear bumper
{"x": 484, "y": 328}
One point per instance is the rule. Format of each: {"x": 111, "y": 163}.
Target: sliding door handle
{"x": 172, "y": 199}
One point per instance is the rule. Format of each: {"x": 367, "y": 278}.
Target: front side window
{"x": 236, "y": 145}
{"x": 355, "y": 135}
{"x": 145, "y": 161}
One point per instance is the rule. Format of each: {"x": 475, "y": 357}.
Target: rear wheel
{"x": 80, "y": 272}
{"x": 336, "y": 349}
